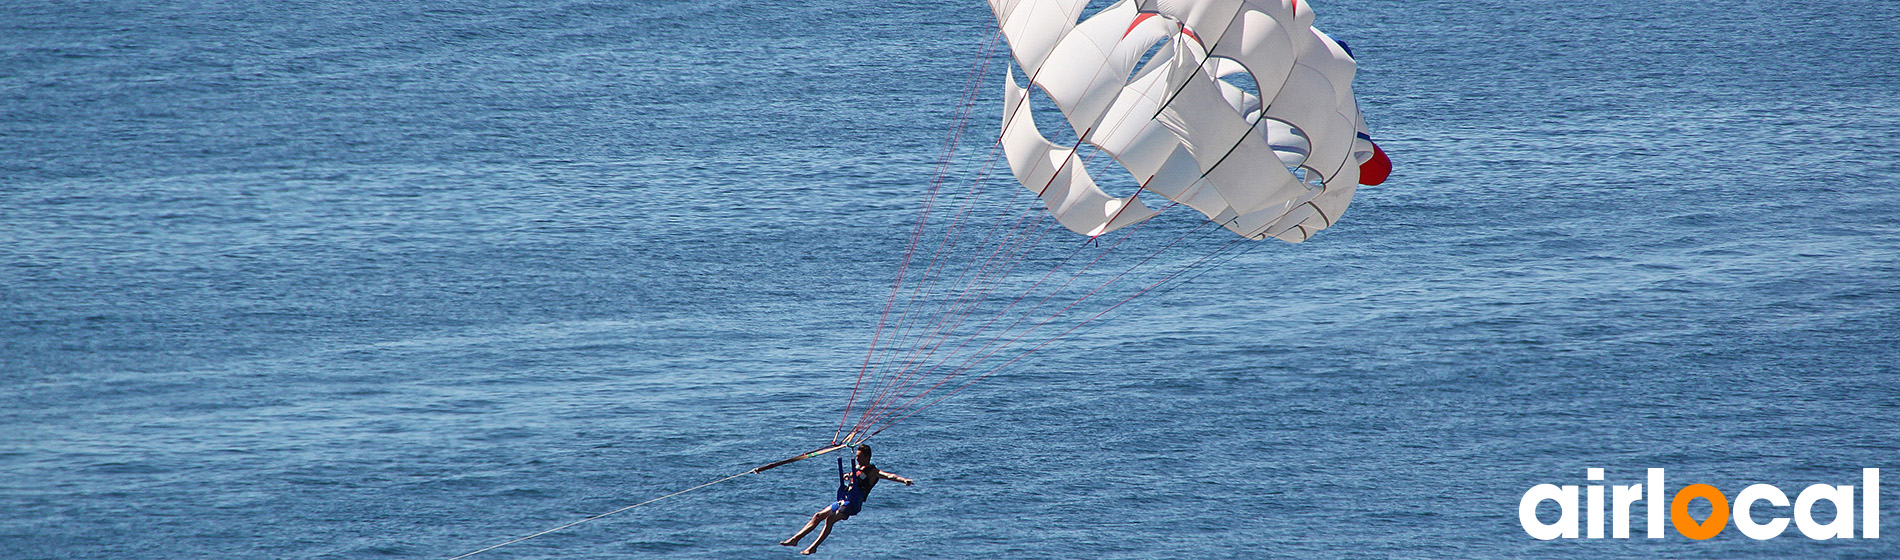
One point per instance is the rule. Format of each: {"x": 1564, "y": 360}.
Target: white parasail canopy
{"x": 1283, "y": 168}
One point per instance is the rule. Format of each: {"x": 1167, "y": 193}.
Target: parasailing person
{"x": 853, "y": 488}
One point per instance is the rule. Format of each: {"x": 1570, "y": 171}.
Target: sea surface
{"x": 349, "y": 279}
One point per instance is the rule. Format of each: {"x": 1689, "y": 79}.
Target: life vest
{"x": 853, "y": 488}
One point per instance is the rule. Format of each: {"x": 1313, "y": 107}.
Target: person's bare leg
{"x": 829, "y": 521}
{"x": 805, "y": 531}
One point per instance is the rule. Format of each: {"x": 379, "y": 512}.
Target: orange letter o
{"x": 1708, "y": 528}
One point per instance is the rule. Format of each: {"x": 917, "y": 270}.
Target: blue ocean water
{"x": 365, "y": 279}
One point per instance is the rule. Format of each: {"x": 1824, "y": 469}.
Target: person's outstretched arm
{"x": 890, "y": 476}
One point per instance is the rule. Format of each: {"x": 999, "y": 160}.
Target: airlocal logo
{"x": 1622, "y": 497}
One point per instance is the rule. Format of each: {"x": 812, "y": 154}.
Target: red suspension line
{"x": 866, "y": 416}
{"x": 970, "y": 91}
{"x": 1012, "y": 258}
{"x": 970, "y": 364}
{"x": 967, "y": 302}
{"x": 979, "y": 357}
{"x": 1010, "y": 251}
{"x": 1000, "y": 367}
{"x": 979, "y": 278}
{"x": 906, "y": 316}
